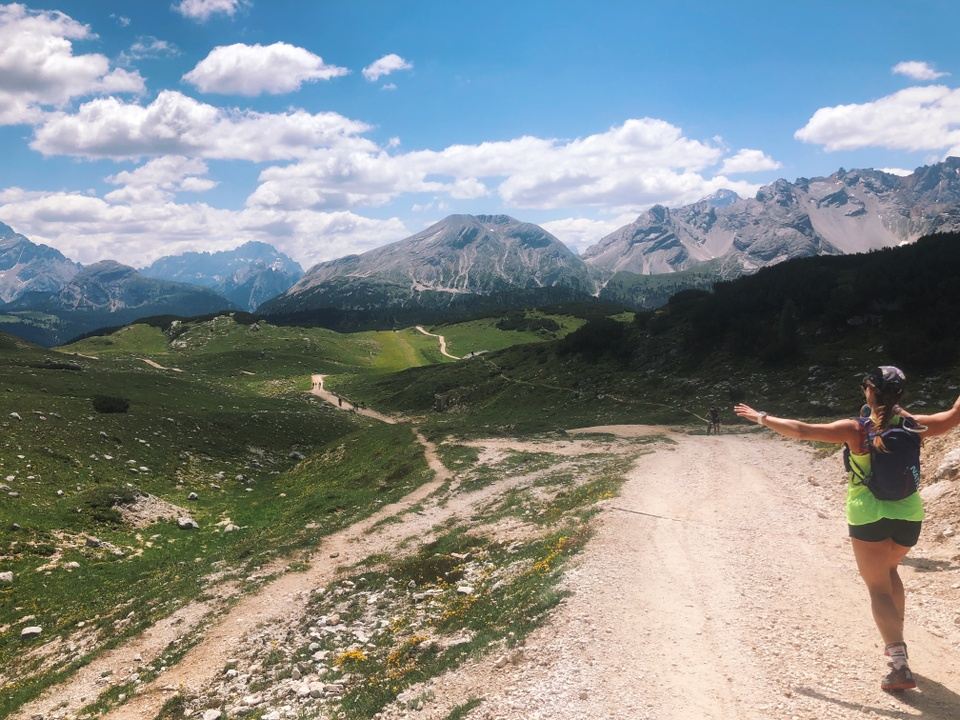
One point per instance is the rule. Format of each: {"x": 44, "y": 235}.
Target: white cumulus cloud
{"x": 174, "y": 124}
{"x": 254, "y": 69}
{"x": 917, "y": 70}
{"x": 580, "y": 233}
{"x": 748, "y": 160}
{"x": 916, "y": 118}
{"x": 38, "y": 67}
{"x": 158, "y": 180}
{"x": 88, "y": 228}
{"x": 203, "y": 10}
{"x": 633, "y": 165}
{"x": 385, "y": 66}
{"x": 147, "y": 47}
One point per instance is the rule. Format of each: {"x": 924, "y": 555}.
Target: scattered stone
{"x": 212, "y": 715}
{"x": 187, "y": 523}
{"x": 193, "y": 496}
{"x": 937, "y": 490}
{"x": 16, "y": 416}
{"x": 6, "y": 577}
{"x": 72, "y": 565}
{"x": 949, "y": 465}
{"x": 94, "y": 542}
{"x": 231, "y": 528}
{"x": 31, "y": 632}
{"x": 296, "y": 455}
{"x": 465, "y": 590}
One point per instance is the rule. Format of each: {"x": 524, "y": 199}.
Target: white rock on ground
{"x": 31, "y": 631}
{"x": 6, "y": 577}
{"x": 187, "y": 523}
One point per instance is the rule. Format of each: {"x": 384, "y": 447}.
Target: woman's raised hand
{"x": 747, "y": 412}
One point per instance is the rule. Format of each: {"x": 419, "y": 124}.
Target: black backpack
{"x": 895, "y": 474}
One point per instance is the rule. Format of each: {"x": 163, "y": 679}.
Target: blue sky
{"x": 131, "y": 130}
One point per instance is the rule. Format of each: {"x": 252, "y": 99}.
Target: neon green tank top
{"x": 862, "y": 505}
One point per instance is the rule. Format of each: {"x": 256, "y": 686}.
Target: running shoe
{"x": 898, "y": 679}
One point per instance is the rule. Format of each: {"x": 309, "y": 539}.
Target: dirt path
{"x": 719, "y": 585}
{"x": 341, "y": 404}
{"x": 158, "y": 366}
{"x": 443, "y": 343}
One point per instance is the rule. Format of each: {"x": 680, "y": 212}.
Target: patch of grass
{"x": 173, "y": 709}
{"x": 509, "y": 609}
{"x": 462, "y": 710}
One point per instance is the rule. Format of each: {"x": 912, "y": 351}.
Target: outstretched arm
{"x": 941, "y": 422}
{"x": 839, "y": 432}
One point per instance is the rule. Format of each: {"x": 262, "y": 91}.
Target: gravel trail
{"x": 719, "y": 585}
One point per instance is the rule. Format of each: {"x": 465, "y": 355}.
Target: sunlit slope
{"x": 485, "y": 336}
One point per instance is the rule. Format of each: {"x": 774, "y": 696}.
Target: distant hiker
{"x": 714, "y": 425}
{"x": 884, "y": 508}
{"x": 339, "y": 401}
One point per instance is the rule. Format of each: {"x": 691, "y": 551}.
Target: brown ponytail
{"x": 883, "y": 414}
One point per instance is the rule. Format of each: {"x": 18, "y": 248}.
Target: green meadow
{"x": 226, "y": 434}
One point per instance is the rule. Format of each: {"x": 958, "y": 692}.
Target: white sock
{"x": 897, "y": 652}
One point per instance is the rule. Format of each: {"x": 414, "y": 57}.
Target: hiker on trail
{"x": 339, "y": 401}
{"x": 884, "y": 508}
{"x": 714, "y": 425}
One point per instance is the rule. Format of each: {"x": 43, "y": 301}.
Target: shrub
{"x": 519, "y": 321}
{"x": 598, "y": 338}
{"x": 102, "y": 502}
{"x": 110, "y": 404}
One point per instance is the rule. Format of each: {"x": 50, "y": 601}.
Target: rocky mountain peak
{"x": 847, "y": 212}
{"x": 27, "y": 267}
{"x": 721, "y": 198}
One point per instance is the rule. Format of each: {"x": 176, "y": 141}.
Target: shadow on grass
{"x": 933, "y": 701}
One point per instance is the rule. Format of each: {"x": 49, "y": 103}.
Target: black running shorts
{"x": 902, "y": 532}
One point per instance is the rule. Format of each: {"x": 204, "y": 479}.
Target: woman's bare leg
{"x": 877, "y": 562}
{"x": 897, "y": 553}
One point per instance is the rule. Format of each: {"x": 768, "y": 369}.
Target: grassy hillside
{"x": 491, "y": 334}
{"x": 254, "y": 448}
{"x": 794, "y": 339}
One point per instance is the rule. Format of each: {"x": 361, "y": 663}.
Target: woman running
{"x": 882, "y": 531}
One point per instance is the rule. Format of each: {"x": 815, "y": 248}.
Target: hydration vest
{"x": 895, "y": 474}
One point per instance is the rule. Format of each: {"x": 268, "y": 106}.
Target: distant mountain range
{"x": 848, "y": 212}
{"x": 49, "y": 299}
{"x": 492, "y": 260}
{"x": 247, "y": 276}
{"x": 469, "y": 265}
{"x": 103, "y": 294}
